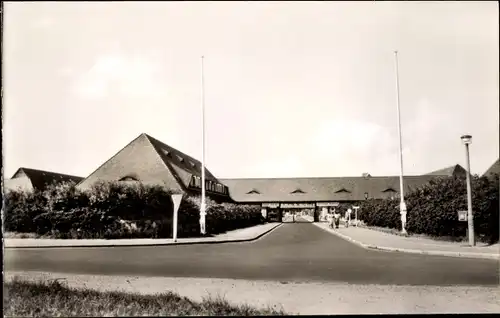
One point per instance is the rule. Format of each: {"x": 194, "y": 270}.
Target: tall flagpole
{"x": 203, "y": 199}
{"x": 402, "y": 205}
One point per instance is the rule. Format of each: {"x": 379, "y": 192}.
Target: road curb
{"x": 155, "y": 244}
{"x": 412, "y": 251}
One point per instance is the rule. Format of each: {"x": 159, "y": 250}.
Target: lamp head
{"x": 466, "y": 139}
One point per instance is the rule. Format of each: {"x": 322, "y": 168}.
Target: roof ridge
{"x": 167, "y": 164}
{"x": 169, "y": 146}
{"x": 44, "y": 171}
{"x": 109, "y": 159}
{"x": 302, "y": 178}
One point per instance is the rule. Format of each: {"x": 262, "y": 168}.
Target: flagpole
{"x": 203, "y": 198}
{"x": 402, "y": 206}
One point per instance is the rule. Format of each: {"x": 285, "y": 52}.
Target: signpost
{"x": 176, "y": 199}
{"x": 355, "y": 207}
{"x": 462, "y": 216}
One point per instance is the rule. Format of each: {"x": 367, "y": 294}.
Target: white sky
{"x": 293, "y": 89}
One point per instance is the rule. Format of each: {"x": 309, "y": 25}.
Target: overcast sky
{"x": 292, "y": 89}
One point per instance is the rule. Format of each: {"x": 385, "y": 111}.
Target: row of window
{"x": 210, "y": 185}
{"x": 254, "y": 191}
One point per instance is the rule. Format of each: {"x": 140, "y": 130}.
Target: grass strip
{"x": 55, "y": 299}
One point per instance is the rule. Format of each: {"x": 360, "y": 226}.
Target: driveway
{"x": 299, "y": 252}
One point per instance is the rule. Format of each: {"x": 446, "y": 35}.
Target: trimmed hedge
{"x": 432, "y": 208}
{"x": 116, "y": 210}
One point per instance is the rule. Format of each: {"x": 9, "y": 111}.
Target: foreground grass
{"x": 54, "y": 299}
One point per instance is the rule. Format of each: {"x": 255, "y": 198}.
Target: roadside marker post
{"x": 176, "y": 199}
{"x": 355, "y": 214}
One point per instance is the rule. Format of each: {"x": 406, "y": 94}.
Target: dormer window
{"x": 343, "y": 190}
{"x": 192, "y": 164}
{"x": 180, "y": 158}
{"x": 389, "y": 190}
{"x": 253, "y": 191}
{"x": 297, "y": 191}
{"x": 128, "y": 178}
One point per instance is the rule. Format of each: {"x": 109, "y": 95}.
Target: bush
{"x": 432, "y": 208}
{"x": 114, "y": 210}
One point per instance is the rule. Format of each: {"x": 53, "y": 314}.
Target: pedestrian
{"x": 348, "y": 217}
{"x": 332, "y": 219}
{"x": 336, "y": 218}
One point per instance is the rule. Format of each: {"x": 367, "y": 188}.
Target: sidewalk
{"x": 388, "y": 242}
{"x": 240, "y": 235}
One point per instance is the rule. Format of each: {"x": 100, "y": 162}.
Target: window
{"x": 192, "y": 164}
{"x": 197, "y": 181}
{"x": 389, "y": 190}
{"x": 180, "y": 158}
{"x": 297, "y": 191}
{"x": 343, "y": 190}
{"x": 253, "y": 191}
{"x": 128, "y": 178}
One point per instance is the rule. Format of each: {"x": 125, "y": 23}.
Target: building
{"x": 30, "y": 179}
{"x": 149, "y": 161}
{"x": 316, "y": 196}
{"x": 453, "y": 171}
{"x": 495, "y": 168}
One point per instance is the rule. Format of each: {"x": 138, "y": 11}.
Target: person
{"x": 347, "y": 217}
{"x": 336, "y": 217}
{"x": 332, "y": 219}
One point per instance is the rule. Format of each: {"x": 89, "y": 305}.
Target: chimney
{"x": 366, "y": 175}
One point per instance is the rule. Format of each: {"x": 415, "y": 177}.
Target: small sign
{"x": 355, "y": 207}
{"x": 462, "y": 215}
{"x": 327, "y": 204}
{"x": 270, "y": 205}
{"x": 297, "y": 205}
{"x": 176, "y": 200}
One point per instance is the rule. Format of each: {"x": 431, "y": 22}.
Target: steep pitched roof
{"x": 40, "y": 178}
{"x": 448, "y": 171}
{"x": 495, "y": 168}
{"x": 317, "y": 189}
{"x": 183, "y": 165}
{"x": 149, "y": 161}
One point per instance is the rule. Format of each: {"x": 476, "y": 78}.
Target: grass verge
{"x": 55, "y": 299}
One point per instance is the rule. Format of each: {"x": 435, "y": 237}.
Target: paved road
{"x": 292, "y": 252}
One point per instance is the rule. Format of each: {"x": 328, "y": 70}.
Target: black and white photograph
{"x": 250, "y": 158}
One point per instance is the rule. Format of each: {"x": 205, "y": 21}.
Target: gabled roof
{"x": 495, "y": 168}
{"x": 318, "y": 189}
{"x": 182, "y": 164}
{"x": 41, "y": 179}
{"x": 149, "y": 161}
{"x": 449, "y": 171}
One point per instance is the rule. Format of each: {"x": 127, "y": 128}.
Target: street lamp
{"x": 467, "y": 140}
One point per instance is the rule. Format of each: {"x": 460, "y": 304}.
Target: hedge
{"x": 116, "y": 210}
{"x": 432, "y": 208}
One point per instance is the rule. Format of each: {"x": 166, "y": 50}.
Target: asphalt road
{"x": 292, "y": 252}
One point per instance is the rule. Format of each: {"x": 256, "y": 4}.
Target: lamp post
{"x": 402, "y": 205}
{"x": 467, "y": 140}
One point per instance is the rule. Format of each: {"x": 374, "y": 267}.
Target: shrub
{"x": 432, "y": 208}
{"x": 115, "y": 210}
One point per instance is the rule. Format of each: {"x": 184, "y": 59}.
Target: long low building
{"x": 147, "y": 160}
{"x": 316, "y": 196}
